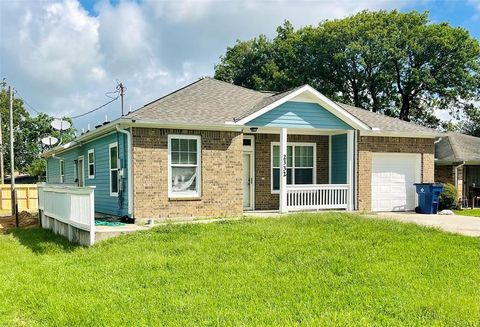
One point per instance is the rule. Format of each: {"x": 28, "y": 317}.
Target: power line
{"x": 77, "y": 116}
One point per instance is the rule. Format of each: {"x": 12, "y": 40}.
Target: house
{"x": 457, "y": 161}
{"x": 216, "y": 149}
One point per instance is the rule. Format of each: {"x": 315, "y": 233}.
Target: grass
{"x": 468, "y": 212}
{"x": 309, "y": 269}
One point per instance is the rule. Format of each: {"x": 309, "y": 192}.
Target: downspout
{"x": 129, "y": 160}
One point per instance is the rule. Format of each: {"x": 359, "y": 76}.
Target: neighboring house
{"x": 457, "y": 161}
{"x": 216, "y": 149}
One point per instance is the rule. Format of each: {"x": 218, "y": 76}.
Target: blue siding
{"x": 339, "y": 159}
{"x": 53, "y": 170}
{"x": 104, "y": 203}
{"x": 293, "y": 114}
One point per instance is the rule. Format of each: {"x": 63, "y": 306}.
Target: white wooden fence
{"x": 317, "y": 196}
{"x": 68, "y": 211}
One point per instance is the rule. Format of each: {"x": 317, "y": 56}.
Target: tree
{"x": 399, "y": 64}
{"x": 28, "y": 132}
{"x": 470, "y": 124}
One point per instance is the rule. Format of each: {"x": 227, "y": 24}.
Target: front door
{"x": 247, "y": 181}
{"x": 80, "y": 172}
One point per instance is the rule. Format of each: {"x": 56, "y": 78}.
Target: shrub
{"x": 448, "y": 199}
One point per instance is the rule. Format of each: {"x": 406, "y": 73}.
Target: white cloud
{"x": 177, "y": 11}
{"x": 49, "y": 41}
{"x": 476, "y": 6}
{"x": 63, "y": 59}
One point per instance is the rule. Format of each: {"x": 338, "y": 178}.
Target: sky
{"x": 63, "y": 56}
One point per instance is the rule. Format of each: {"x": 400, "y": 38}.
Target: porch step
{"x": 106, "y": 232}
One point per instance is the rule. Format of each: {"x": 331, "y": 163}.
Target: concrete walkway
{"x": 465, "y": 225}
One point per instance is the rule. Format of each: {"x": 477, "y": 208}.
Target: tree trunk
{"x": 375, "y": 104}
{"x": 356, "y": 94}
{"x": 405, "y": 110}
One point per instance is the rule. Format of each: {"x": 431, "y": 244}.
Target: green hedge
{"x": 448, "y": 199}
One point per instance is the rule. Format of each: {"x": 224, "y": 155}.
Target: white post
{"x": 92, "y": 218}
{"x": 283, "y": 170}
{"x": 350, "y": 170}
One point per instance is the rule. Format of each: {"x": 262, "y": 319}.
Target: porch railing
{"x": 317, "y": 196}
{"x": 68, "y": 211}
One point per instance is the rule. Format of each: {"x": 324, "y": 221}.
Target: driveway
{"x": 469, "y": 226}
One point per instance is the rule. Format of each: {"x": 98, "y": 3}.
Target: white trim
{"x": 91, "y": 163}
{"x": 111, "y": 146}
{"x": 62, "y": 176}
{"x": 313, "y": 144}
{"x": 350, "y": 170}
{"x": 133, "y": 122}
{"x": 321, "y": 99}
{"x": 83, "y": 170}
{"x": 129, "y": 168}
{"x": 251, "y": 150}
{"x": 412, "y": 134}
{"x": 187, "y": 194}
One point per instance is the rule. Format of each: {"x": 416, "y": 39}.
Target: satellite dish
{"x": 49, "y": 140}
{"x": 60, "y": 124}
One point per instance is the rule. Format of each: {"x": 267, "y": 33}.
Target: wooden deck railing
{"x": 69, "y": 211}
{"x": 317, "y": 196}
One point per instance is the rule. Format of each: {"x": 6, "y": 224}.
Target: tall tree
{"x": 27, "y": 134}
{"x": 399, "y": 64}
{"x": 470, "y": 122}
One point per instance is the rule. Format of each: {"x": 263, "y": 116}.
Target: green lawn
{"x": 468, "y": 212}
{"x": 312, "y": 269}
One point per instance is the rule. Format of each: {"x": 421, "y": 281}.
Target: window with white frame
{"x": 184, "y": 166}
{"x": 113, "y": 160}
{"x": 301, "y": 164}
{"x": 91, "y": 163}
{"x": 62, "y": 171}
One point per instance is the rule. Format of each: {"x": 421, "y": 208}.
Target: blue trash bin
{"x": 428, "y": 194}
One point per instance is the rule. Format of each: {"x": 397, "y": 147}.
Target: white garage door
{"x": 393, "y": 175}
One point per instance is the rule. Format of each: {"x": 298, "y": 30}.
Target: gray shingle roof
{"x": 384, "y": 123}
{"x": 207, "y": 101}
{"x": 456, "y": 147}
{"x": 210, "y": 101}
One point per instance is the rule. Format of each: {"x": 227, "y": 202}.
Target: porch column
{"x": 350, "y": 168}
{"x": 283, "y": 170}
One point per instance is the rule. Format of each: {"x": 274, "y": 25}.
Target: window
{"x": 301, "y": 164}
{"x": 184, "y": 166}
{"x": 62, "y": 171}
{"x": 91, "y": 163}
{"x": 113, "y": 159}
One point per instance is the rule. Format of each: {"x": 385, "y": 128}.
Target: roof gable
{"x": 293, "y": 114}
{"x": 314, "y": 96}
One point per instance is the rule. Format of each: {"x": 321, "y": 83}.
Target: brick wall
{"x": 369, "y": 144}
{"x": 222, "y": 172}
{"x": 264, "y": 199}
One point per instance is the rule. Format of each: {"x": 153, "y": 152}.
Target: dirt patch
{"x": 26, "y": 220}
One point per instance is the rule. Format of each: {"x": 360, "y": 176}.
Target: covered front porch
{"x": 295, "y": 170}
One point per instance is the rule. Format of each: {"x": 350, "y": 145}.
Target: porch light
{"x": 253, "y": 129}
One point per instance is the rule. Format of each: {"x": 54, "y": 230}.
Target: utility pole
{"x": 122, "y": 93}
{"x": 12, "y": 162}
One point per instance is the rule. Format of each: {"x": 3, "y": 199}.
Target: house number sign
{"x": 284, "y": 165}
